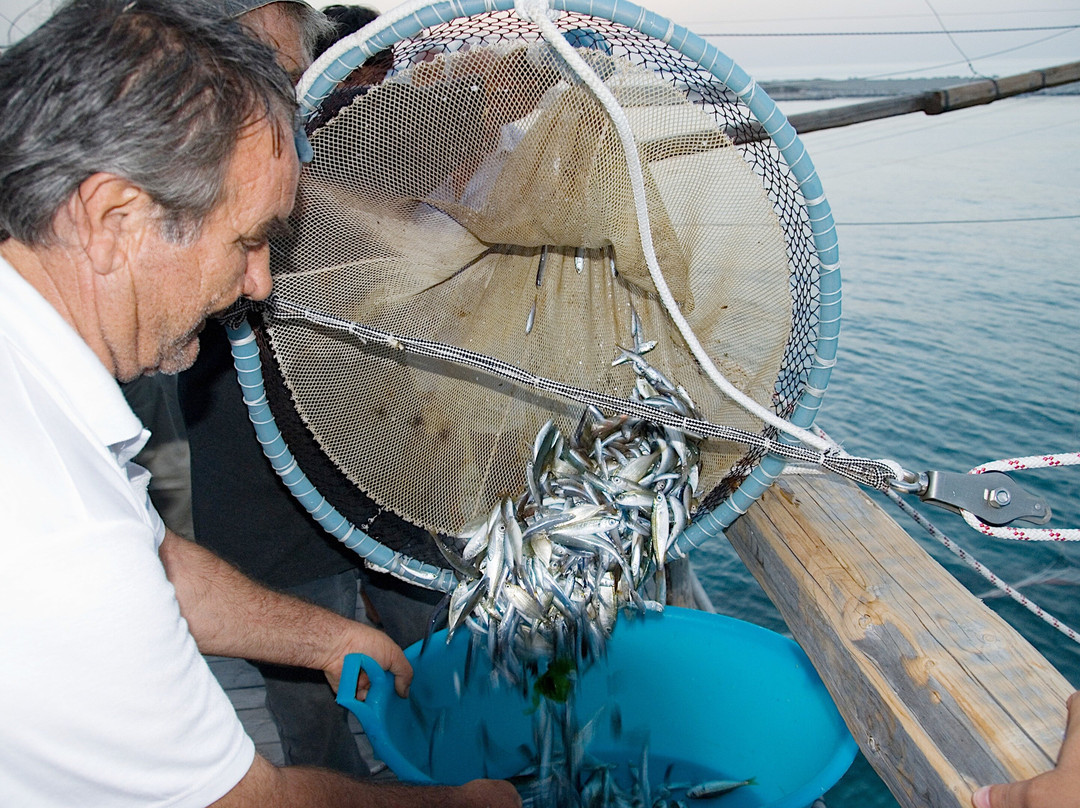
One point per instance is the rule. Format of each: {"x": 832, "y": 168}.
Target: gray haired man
{"x": 146, "y": 154}
{"x": 252, "y": 521}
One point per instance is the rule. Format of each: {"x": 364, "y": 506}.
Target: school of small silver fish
{"x": 545, "y": 575}
{"x": 543, "y": 578}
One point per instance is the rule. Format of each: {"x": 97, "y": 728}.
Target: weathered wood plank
{"x": 974, "y": 93}
{"x": 234, "y": 673}
{"x": 941, "y": 694}
{"x": 680, "y": 588}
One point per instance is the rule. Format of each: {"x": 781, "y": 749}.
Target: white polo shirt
{"x": 104, "y": 697}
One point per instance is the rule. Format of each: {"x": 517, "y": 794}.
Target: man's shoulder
{"x": 52, "y": 472}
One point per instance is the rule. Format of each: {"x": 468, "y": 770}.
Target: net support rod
{"x": 378, "y": 556}
{"x": 875, "y": 473}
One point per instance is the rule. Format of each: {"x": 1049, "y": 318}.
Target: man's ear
{"x": 108, "y": 211}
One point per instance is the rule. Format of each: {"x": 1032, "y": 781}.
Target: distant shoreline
{"x": 823, "y": 89}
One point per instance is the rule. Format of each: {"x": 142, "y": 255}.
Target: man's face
{"x": 179, "y": 285}
{"x": 276, "y": 27}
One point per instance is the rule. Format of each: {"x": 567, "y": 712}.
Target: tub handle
{"x": 372, "y": 713}
{"x": 350, "y": 675}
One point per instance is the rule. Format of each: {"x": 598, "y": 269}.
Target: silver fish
{"x": 552, "y": 569}
{"x": 531, "y": 319}
{"x": 715, "y": 788}
{"x": 540, "y": 266}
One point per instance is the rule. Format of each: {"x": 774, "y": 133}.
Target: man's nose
{"x": 257, "y": 281}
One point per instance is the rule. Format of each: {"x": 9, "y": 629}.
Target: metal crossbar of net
{"x": 477, "y": 197}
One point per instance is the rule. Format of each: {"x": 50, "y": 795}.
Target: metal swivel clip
{"x": 993, "y": 496}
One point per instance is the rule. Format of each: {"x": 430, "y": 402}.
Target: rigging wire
{"x": 14, "y": 32}
{"x": 995, "y": 14}
{"x": 1015, "y": 29}
{"x": 1008, "y": 220}
{"x": 952, "y": 39}
{"x": 953, "y": 64}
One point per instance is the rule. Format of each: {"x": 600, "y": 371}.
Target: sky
{"x": 793, "y": 39}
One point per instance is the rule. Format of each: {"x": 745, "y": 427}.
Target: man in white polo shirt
{"x": 146, "y": 154}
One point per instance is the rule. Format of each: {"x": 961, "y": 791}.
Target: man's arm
{"x": 1057, "y": 788}
{"x": 231, "y": 615}
{"x": 301, "y": 787}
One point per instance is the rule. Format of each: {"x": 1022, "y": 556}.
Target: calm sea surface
{"x": 960, "y": 341}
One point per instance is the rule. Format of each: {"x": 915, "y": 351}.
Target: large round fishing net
{"x": 477, "y": 195}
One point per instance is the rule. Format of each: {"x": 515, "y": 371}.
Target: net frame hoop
{"x": 377, "y": 555}
{"x": 407, "y": 20}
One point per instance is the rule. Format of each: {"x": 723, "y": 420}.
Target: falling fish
{"x": 540, "y": 267}
{"x": 716, "y": 788}
{"x": 544, "y": 575}
{"x": 531, "y": 319}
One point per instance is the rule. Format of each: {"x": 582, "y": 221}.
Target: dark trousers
{"x": 313, "y": 728}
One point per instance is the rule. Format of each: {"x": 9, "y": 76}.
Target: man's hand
{"x": 490, "y": 794}
{"x": 1058, "y": 788}
{"x": 359, "y": 638}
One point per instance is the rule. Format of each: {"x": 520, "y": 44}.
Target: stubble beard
{"x": 180, "y": 354}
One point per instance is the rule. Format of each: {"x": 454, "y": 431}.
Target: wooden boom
{"x": 941, "y": 694}
{"x": 933, "y": 102}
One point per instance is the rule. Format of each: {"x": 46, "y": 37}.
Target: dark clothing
{"x": 340, "y": 98}
{"x": 241, "y": 509}
{"x": 165, "y": 455}
{"x": 244, "y": 513}
{"x": 313, "y": 727}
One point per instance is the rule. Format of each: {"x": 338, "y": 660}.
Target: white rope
{"x": 982, "y": 570}
{"x": 536, "y": 11}
{"x": 1018, "y": 533}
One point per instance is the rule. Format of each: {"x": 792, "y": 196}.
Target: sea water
{"x": 960, "y": 339}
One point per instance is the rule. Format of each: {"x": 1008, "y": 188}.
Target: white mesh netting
{"x": 478, "y": 196}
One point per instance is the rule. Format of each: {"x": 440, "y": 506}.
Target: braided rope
{"x": 966, "y": 557}
{"x": 873, "y": 473}
{"x": 982, "y": 569}
{"x": 1018, "y": 533}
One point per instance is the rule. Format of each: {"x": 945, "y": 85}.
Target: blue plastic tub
{"x": 717, "y": 697}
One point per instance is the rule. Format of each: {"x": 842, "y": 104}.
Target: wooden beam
{"x": 940, "y": 693}
{"x": 973, "y": 93}
{"x": 933, "y": 102}
{"x": 849, "y": 114}
{"x": 683, "y": 587}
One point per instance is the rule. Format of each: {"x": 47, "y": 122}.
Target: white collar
{"x": 63, "y": 361}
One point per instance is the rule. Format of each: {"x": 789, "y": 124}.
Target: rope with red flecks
{"x": 1018, "y": 533}
{"x": 973, "y": 563}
